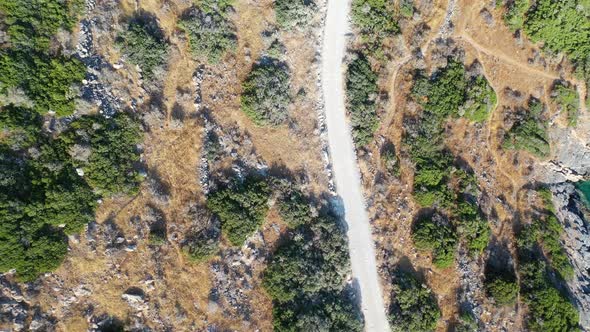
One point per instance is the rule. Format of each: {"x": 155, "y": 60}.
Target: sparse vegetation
{"x": 241, "y": 208}
{"x": 265, "y": 93}
{"x": 529, "y": 131}
{"x": 210, "y": 33}
{"x": 294, "y": 13}
{"x": 144, "y": 45}
{"x": 414, "y": 307}
{"x": 361, "y": 92}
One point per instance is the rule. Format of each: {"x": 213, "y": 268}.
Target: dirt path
{"x": 507, "y": 59}
{"x": 346, "y": 172}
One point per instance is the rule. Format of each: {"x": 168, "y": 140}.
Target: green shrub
{"x": 201, "y": 248}
{"x": 294, "y": 13}
{"x": 568, "y": 100}
{"x": 112, "y": 143}
{"x": 361, "y": 91}
{"x": 530, "y": 132}
{"x": 210, "y": 33}
{"x": 472, "y": 228}
{"x": 375, "y": 20}
{"x": 514, "y": 16}
{"x": 32, "y": 23}
{"x": 144, "y": 45}
{"x": 481, "y": 100}
{"x": 265, "y": 93}
{"x": 209, "y": 6}
{"x": 414, "y": 307}
{"x": 406, "y": 8}
{"x": 241, "y": 208}
{"x": 502, "y": 290}
{"x": 434, "y": 234}
{"x": 390, "y": 160}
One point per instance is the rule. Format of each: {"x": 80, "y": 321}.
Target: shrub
{"x": 390, "y": 160}
{"x": 241, "y": 208}
{"x": 110, "y": 166}
{"x": 568, "y": 100}
{"x": 144, "y": 45}
{"x": 375, "y": 19}
{"x": 201, "y": 248}
{"x": 210, "y": 33}
{"x": 434, "y": 234}
{"x": 294, "y": 13}
{"x": 502, "y": 290}
{"x": 413, "y": 306}
{"x": 529, "y": 132}
{"x": 361, "y": 91}
{"x": 265, "y": 93}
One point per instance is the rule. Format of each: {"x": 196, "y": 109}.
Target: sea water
{"x": 584, "y": 188}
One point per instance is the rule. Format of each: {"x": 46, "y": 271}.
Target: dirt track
{"x": 347, "y": 176}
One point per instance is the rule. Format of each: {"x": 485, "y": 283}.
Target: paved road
{"x": 348, "y": 186}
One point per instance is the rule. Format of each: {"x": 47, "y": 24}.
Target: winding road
{"x": 346, "y": 172}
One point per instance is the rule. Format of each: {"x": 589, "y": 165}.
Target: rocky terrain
{"x": 180, "y": 175}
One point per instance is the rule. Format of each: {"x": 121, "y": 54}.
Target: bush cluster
{"x": 306, "y": 279}
{"x": 43, "y": 196}
{"x": 144, "y": 45}
{"x": 413, "y": 307}
{"x": 49, "y": 184}
{"x": 449, "y": 92}
{"x": 210, "y": 33}
{"x": 562, "y": 27}
{"x": 265, "y": 93}
{"x": 294, "y": 13}
{"x": 241, "y": 207}
{"x": 529, "y": 131}
{"x": 538, "y": 242}
{"x": 361, "y": 92}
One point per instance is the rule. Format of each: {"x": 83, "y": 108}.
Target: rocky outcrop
{"x": 573, "y": 215}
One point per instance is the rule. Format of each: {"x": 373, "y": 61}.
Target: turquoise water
{"x": 584, "y": 188}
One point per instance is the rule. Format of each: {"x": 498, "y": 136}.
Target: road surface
{"x": 346, "y": 172}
